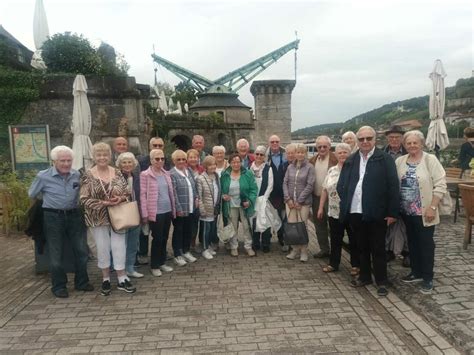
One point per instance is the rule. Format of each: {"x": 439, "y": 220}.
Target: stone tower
{"x": 272, "y": 109}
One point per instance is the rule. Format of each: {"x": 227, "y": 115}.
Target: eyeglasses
{"x": 181, "y": 159}
{"x": 365, "y": 139}
{"x": 322, "y": 147}
{"x": 273, "y": 142}
{"x": 259, "y": 154}
{"x": 160, "y": 159}
{"x": 157, "y": 145}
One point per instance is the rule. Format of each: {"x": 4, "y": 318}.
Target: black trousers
{"x": 421, "y": 245}
{"x": 261, "y": 239}
{"x": 143, "y": 244}
{"x": 336, "y": 230}
{"x": 159, "y": 231}
{"x": 370, "y": 237}
{"x": 183, "y": 234}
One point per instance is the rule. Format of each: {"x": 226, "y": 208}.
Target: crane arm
{"x": 239, "y": 77}
{"x": 199, "y": 82}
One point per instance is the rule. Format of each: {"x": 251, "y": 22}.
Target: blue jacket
{"x": 380, "y": 187}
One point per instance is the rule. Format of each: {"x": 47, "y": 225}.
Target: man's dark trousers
{"x": 58, "y": 228}
{"x": 370, "y": 238}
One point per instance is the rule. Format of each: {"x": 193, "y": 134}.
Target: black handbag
{"x": 295, "y": 233}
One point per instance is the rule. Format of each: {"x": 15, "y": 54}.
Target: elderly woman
{"x": 157, "y": 206}
{"x": 350, "y": 138}
{"x": 185, "y": 195}
{"x": 264, "y": 178}
{"x": 103, "y": 186}
{"x": 127, "y": 164}
{"x": 239, "y": 192}
{"x": 422, "y": 186}
{"x": 290, "y": 150}
{"x": 297, "y": 192}
{"x": 209, "y": 193}
{"x": 336, "y": 227}
{"x": 193, "y": 162}
{"x": 218, "y": 152}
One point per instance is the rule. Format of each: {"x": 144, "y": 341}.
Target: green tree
{"x": 184, "y": 93}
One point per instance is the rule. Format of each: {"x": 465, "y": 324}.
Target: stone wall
{"x": 463, "y": 102}
{"x": 110, "y": 99}
{"x": 272, "y": 109}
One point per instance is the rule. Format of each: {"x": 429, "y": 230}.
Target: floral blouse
{"x": 330, "y": 184}
{"x": 410, "y": 199}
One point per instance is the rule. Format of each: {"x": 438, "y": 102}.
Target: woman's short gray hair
{"x": 218, "y": 148}
{"x": 347, "y": 134}
{"x": 418, "y": 134}
{"x": 126, "y": 156}
{"x": 101, "y": 147}
{"x": 60, "y": 149}
{"x": 291, "y": 146}
{"x": 343, "y": 146}
{"x": 261, "y": 149}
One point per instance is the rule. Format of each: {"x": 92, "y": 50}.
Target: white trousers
{"x": 107, "y": 241}
{"x": 236, "y": 214}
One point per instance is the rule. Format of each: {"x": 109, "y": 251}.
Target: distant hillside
{"x": 414, "y": 108}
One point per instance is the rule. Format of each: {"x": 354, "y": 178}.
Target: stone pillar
{"x": 272, "y": 109}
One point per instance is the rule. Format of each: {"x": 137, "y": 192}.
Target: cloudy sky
{"x": 354, "y": 55}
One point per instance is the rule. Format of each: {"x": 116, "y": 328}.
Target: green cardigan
{"x": 248, "y": 190}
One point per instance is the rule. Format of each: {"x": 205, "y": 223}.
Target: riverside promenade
{"x": 266, "y": 304}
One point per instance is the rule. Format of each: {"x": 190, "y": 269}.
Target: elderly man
{"x": 278, "y": 163}
{"x": 198, "y": 144}
{"x": 119, "y": 146}
{"x": 322, "y": 161}
{"x": 243, "y": 150}
{"x": 369, "y": 190}
{"x": 396, "y": 239}
{"x": 62, "y": 219}
{"x": 154, "y": 143}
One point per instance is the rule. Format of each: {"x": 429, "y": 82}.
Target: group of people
{"x": 358, "y": 189}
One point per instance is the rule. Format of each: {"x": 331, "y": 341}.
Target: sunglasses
{"x": 322, "y": 147}
{"x": 273, "y": 142}
{"x": 259, "y": 154}
{"x": 160, "y": 159}
{"x": 365, "y": 139}
{"x": 181, "y": 159}
{"x": 158, "y": 145}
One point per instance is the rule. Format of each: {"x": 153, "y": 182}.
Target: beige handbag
{"x": 124, "y": 215}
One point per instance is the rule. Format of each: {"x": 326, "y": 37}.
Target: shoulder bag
{"x": 295, "y": 233}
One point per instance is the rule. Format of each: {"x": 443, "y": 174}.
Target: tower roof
{"x": 208, "y": 100}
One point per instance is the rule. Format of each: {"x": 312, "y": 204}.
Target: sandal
{"x": 355, "y": 271}
{"x": 329, "y": 268}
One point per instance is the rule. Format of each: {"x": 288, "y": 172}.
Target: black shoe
{"x": 105, "y": 290}
{"x": 360, "y": 283}
{"x": 62, "y": 293}
{"x": 406, "y": 261}
{"x": 321, "y": 255}
{"x": 266, "y": 249}
{"x": 410, "y": 278}
{"x": 126, "y": 286}
{"x": 382, "y": 291}
{"x": 390, "y": 255}
{"x": 87, "y": 288}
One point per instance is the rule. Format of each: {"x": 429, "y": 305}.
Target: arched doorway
{"x": 182, "y": 141}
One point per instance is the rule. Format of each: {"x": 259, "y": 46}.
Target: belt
{"x": 63, "y": 212}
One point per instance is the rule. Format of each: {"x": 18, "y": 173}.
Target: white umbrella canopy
{"x": 81, "y": 125}
{"x": 437, "y": 137}
{"x": 40, "y": 34}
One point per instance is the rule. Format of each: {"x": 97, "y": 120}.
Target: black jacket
{"x": 380, "y": 187}
{"x": 276, "y": 196}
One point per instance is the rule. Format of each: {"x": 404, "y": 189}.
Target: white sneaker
{"x": 156, "y": 272}
{"x": 189, "y": 257}
{"x": 166, "y": 268}
{"x": 135, "y": 274}
{"x": 179, "y": 260}
{"x": 293, "y": 255}
{"x": 304, "y": 256}
{"x": 207, "y": 254}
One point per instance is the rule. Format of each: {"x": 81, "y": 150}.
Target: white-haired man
{"x": 198, "y": 144}
{"x": 322, "y": 161}
{"x": 62, "y": 219}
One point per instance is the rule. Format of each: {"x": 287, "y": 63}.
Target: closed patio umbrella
{"x": 81, "y": 125}
{"x": 437, "y": 138}
{"x": 40, "y": 34}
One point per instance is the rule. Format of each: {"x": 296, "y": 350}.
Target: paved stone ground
{"x": 265, "y": 304}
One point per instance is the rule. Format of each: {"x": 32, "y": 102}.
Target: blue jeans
{"x": 132, "y": 236}
{"x": 58, "y": 228}
{"x": 207, "y": 230}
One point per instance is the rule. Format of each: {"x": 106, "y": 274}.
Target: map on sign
{"x": 30, "y": 146}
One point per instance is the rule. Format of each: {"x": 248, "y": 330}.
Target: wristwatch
{"x": 433, "y": 208}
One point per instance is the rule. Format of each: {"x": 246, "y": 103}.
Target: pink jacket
{"x": 149, "y": 194}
